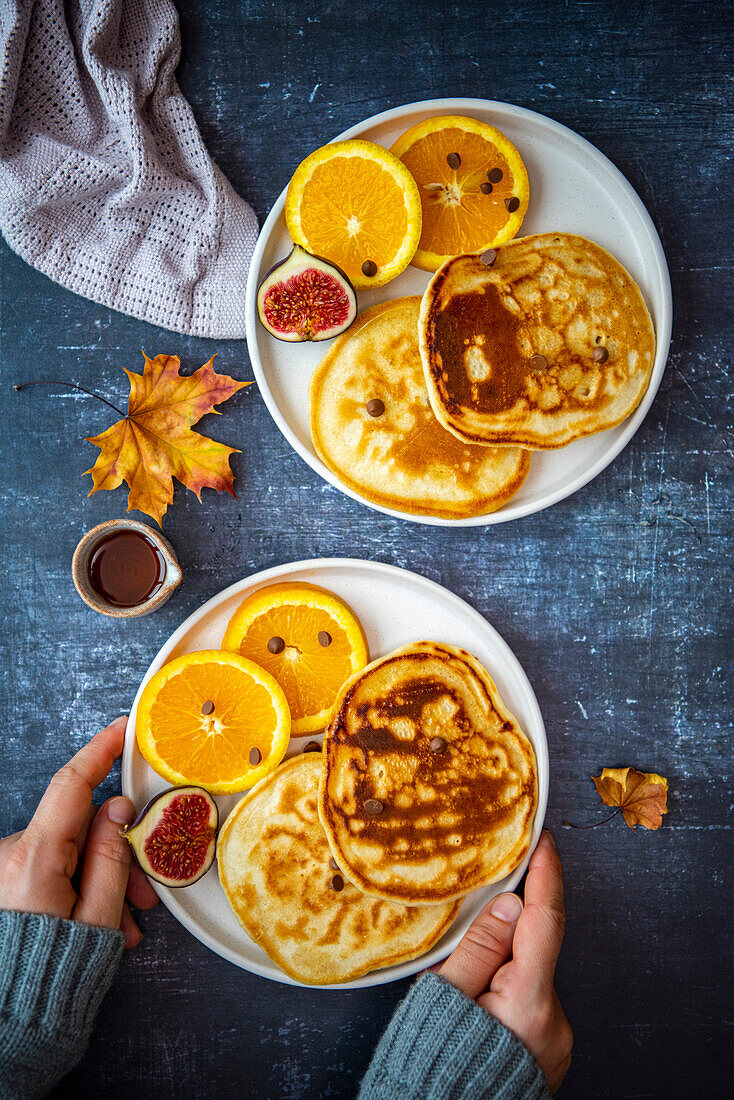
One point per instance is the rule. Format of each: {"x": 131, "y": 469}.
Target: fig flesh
{"x": 174, "y": 837}
{"x": 306, "y": 298}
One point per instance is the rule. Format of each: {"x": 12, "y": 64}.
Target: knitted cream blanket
{"x": 105, "y": 184}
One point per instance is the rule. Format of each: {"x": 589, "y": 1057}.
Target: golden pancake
{"x": 274, "y": 868}
{"x": 400, "y": 458}
{"x": 550, "y": 343}
{"x": 429, "y": 788}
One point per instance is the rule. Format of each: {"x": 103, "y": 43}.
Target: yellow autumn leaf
{"x": 154, "y": 443}
{"x": 641, "y": 796}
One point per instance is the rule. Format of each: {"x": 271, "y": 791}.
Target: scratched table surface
{"x": 617, "y": 600}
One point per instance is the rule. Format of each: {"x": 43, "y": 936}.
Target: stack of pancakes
{"x": 432, "y": 406}
{"x": 357, "y": 857}
{"x": 284, "y": 886}
{"x": 373, "y": 426}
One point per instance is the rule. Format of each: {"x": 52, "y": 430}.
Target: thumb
{"x": 106, "y": 866}
{"x": 486, "y": 946}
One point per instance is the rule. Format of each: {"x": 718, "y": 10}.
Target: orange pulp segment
{"x": 214, "y": 720}
{"x": 307, "y": 638}
{"x": 355, "y": 204}
{"x": 472, "y": 183}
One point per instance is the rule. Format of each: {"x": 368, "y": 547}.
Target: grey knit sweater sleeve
{"x": 53, "y": 976}
{"x": 439, "y": 1045}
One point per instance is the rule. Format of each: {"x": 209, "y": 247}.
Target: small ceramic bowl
{"x": 80, "y": 569}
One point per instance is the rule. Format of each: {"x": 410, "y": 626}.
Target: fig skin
{"x": 149, "y": 819}
{"x": 295, "y": 263}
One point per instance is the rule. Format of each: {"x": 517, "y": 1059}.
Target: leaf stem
{"x": 593, "y": 825}
{"x": 72, "y": 386}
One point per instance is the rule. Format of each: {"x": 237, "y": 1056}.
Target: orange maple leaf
{"x": 641, "y": 796}
{"x": 154, "y": 443}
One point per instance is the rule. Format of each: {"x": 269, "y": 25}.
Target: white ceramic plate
{"x": 395, "y": 607}
{"x": 573, "y": 188}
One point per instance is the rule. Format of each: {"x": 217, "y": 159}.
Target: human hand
{"x": 66, "y": 835}
{"x": 520, "y": 992}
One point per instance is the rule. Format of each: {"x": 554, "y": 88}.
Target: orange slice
{"x": 472, "y": 183}
{"x": 214, "y": 720}
{"x": 354, "y": 203}
{"x": 307, "y": 639}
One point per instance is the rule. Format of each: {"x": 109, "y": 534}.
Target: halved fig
{"x": 174, "y": 837}
{"x": 306, "y": 298}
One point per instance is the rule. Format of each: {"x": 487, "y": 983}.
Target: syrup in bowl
{"x": 126, "y": 569}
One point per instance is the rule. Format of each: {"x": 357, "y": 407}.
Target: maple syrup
{"x": 126, "y": 569}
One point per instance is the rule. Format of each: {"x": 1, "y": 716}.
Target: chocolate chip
{"x": 276, "y": 644}
{"x": 494, "y": 175}
{"x": 538, "y": 362}
{"x": 438, "y": 744}
{"x": 207, "y": 707}
{"x": 488, "y": 257}
{"x": 486, "y": 188}
{"x": 324, "y": 638}
{"x": 373, "y": 806}
{"x": 312, "y": 746}
{"x": 375, "y": 407}
{"x": 333, "y": 864}
{"x": 512, "y": 204}
{"x": 255, "y": 756}
{"x": 600, "y": 355}
{"x": 369, "y": 268}
{"x": 337, "y": 883}
{"x": 453, "y": 160}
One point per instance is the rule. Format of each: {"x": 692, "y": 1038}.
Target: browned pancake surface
{"x": 448, "y": 821}
{"x": 403, "y": 458}
{"x": 274, "y": 868}
{"x": 550, "y": 343}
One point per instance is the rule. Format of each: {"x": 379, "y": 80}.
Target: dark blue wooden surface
{"x": 617, "y": 601}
